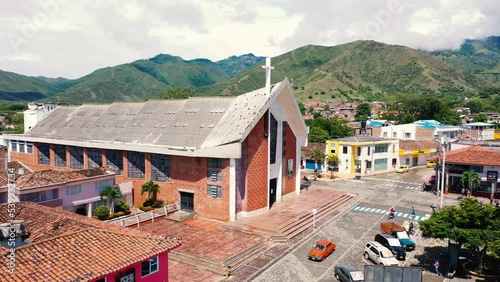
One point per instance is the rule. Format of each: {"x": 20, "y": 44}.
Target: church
{"x": 218, "y": 157}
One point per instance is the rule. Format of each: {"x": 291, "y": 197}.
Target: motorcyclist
{"x": 392, "y": 212}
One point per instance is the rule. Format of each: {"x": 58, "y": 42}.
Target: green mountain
{"x": 476, "y": 56}
{"x": 360, "y": 70}
{"x": 364, "y": 70}
{"x": 134, "y": 81}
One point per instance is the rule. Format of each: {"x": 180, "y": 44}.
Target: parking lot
{"x": 359, "y": 224}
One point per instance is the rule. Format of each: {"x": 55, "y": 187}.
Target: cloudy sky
{"x": 72, "y": 38}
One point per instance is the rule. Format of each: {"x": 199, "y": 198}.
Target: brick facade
{"x": 258, "y": 161}
{"x": 289, "y": 148}
{"x": 189, "y": 174}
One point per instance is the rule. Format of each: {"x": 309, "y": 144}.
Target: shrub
{"x": 116, "y": 214}
{"x": 102, "y": 212}
{"x": 122, "y": 206}
{"x": 158, "y": 204}
{"x": 148, "y": 203}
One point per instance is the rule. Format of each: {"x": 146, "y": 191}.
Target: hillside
{"x": 139, "y": 80}
{"x": 476, "y": 56}
{"x": 16, "y": 87}
{"x": 360, "y": 70}
{"x": 364, "y": 70}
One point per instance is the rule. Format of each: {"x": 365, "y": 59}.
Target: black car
{"x": 392, "y": 244}
{"x": 347, "y": 273}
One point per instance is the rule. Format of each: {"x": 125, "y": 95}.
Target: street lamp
{"x": 314, "y": 218}
{"x": 444, "y": 148}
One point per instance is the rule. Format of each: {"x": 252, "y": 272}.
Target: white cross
{"x": 268, "y": 68}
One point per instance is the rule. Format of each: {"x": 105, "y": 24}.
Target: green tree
{"x": 151, "y": 188}
{"x": 469, "y": 178}
{"x": 318, "y": 155}
{"x": 474, "y": 106}
{"x": 363, "y": 112}
{"x": 406, "y": 118}
{"x": 318, "y": 134}
{"x": 471, "y": 224}
{"x": 302, "y": 108}
{"x": 332, "y": 161}
{"x": 111, "y": 193}
{"x": 480, "y": 118}
{"x": 177, "y": 93}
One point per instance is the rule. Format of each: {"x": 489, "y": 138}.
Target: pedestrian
{"x": 436, "y": 267}
{"x": 413, "y": 212}
{"x": 463, "y": 192}
{"x": 481, "y": 200}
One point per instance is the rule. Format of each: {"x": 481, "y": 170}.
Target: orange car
{"x": 321, "y": 250}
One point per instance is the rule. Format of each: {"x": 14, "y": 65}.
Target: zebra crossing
{"x": 383, "y": 211}
{"x": 398, "y": 183}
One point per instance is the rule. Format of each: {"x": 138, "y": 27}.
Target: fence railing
{"x": 138, "y": 218}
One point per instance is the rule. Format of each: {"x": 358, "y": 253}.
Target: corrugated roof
{"x": 192, "y": 123}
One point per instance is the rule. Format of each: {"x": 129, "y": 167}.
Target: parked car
{"x": 392, "y": 244}
{"x": 379, "y": 254}
{"x": 321, "y": 250}
{"x": 431, "y": 164}
{"x": 347, "y": 273}
{"x": 405, "y": 240}
{"x": 402, "y": 169}
{"x": 399, "y": 232}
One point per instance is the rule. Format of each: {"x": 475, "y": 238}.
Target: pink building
{"x": 55, "y": 245}
{"x": 74, "y": 191}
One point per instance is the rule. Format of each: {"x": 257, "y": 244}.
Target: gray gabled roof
{"x": 192, "y": 123}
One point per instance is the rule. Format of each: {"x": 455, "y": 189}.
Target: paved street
{"x": 359, "y": 224}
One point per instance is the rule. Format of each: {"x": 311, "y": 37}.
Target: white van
{"x": 379, "y": 254}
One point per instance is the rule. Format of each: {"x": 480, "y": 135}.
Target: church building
{"x": 219, "y": 157}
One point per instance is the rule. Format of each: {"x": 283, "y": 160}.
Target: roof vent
{"x": 21, "y": 171}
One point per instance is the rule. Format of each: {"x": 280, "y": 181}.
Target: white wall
{"x": 402, "y": 131}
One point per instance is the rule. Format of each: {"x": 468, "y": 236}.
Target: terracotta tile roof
{"x": 311, "y": 146}
{"x": 50, "y": 177}
{"x": 66, "y": 246}
{"x": 417, "y": 145}
{"x": 474, "y": 155}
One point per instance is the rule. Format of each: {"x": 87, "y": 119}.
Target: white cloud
{"x": 73, "y": 38}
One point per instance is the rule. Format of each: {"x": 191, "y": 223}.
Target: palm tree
{"x": 318, "y": 156}
{"x": 332, "y": 161}
{"x": 469, "y": 178}
{"x": 151, "y": 188}
{"x": 111, "y": 193}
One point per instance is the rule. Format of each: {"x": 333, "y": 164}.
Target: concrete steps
{"x": 246, "y": 256}
{"x": 197, "y": 261}
{"x": 306, "y": 219}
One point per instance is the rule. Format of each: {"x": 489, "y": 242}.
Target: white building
{"x": 35, "y": 113}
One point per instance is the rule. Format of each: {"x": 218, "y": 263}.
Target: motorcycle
{"x": 391, "y": 215}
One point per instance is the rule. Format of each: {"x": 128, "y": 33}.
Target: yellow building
{"x": 364, "y": 154}
{"x": 414, "y": 153}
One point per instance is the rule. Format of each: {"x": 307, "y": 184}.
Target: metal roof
{"x": 199, "y": 122}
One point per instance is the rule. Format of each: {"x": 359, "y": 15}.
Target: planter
{"x": 477, "y": 274}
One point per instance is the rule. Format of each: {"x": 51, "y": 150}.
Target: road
{"x": 359, "y": 224}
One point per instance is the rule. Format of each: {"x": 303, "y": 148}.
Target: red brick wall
{"x": 424, "y": 133}
{"x": 31, "y": 160}
{"x": 289, "y": 148}
{"x": 257, "y": 167}
{"x": 3, "y": 158}
{"x": 186, "y": 174}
